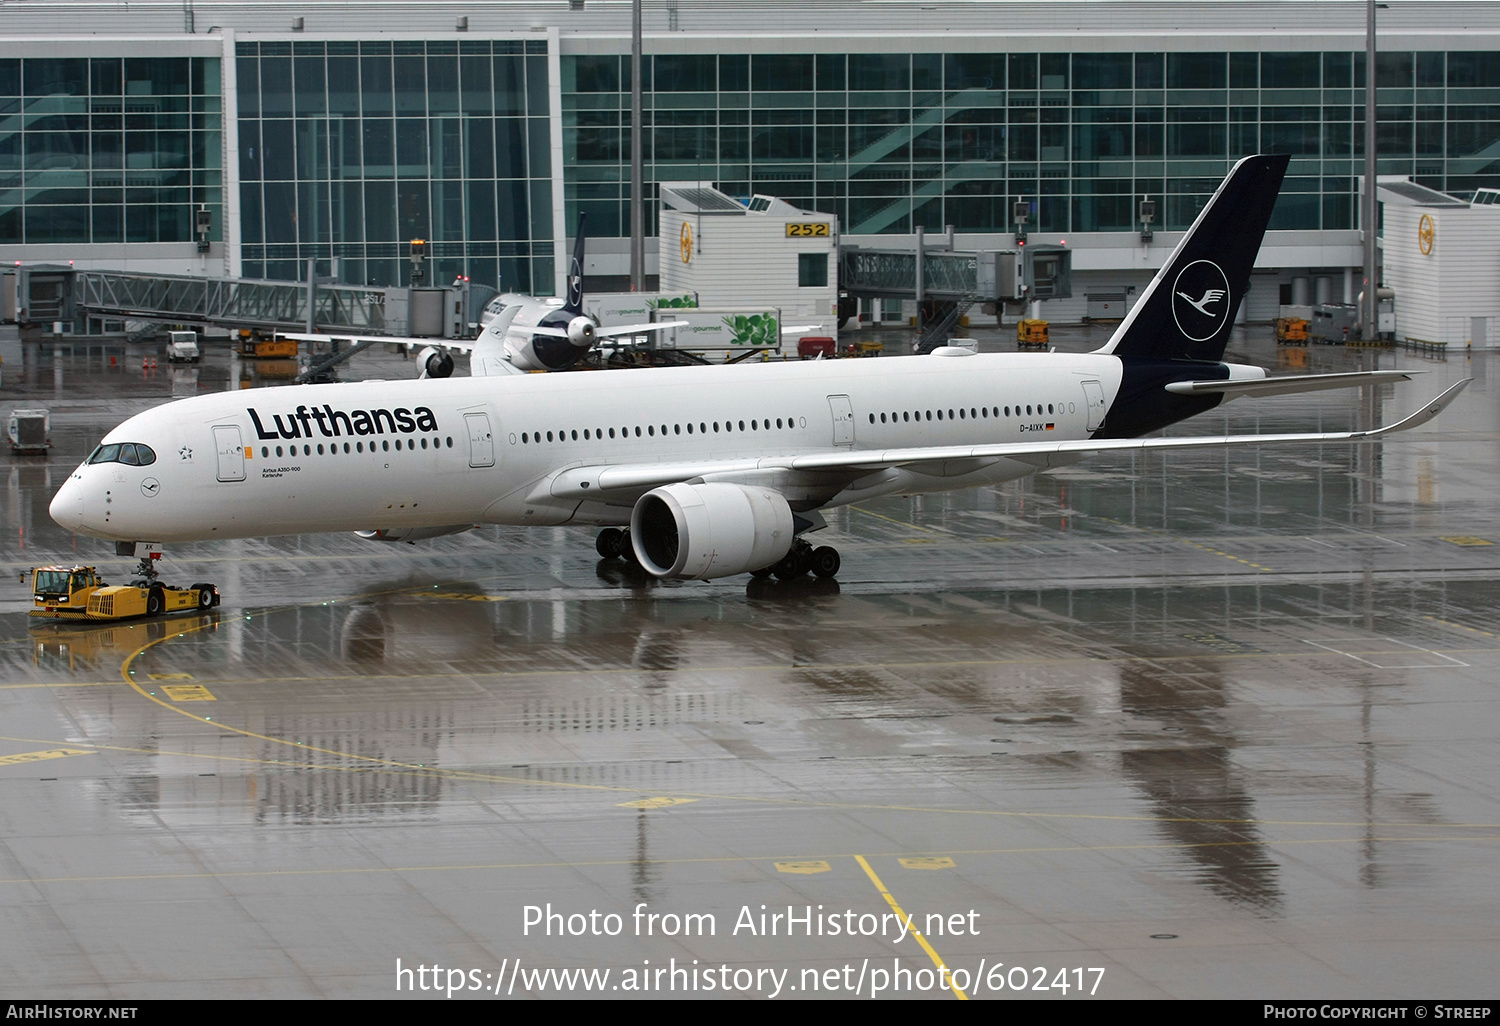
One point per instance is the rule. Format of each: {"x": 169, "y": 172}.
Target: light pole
{"x": 1370, "y": 304}
{"x": 637, "y": 174}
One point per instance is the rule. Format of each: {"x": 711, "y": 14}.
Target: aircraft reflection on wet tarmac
{"x": 1239, "y": 701}
{"x": 1175, "y": 745}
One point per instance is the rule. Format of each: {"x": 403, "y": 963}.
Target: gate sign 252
{"x": 806, "y": 230}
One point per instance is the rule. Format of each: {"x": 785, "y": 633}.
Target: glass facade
{"x": 101, "y": 150}
{"x": 352, "y": 149}
{"x": 889, "y": 141}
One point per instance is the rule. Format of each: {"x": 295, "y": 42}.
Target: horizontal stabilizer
{"x": 1290, "y": 384}
{"x": 624, "y": 329}
{"x": 639, "y": 329}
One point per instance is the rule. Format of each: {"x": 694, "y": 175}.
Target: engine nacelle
{"x": 411, "y": 534}
{"x": 434, "y": 363}
{"x": 703, "y": 531}
{"x": 581, "y": 332}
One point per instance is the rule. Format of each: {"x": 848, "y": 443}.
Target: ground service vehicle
{"x": 1291, "y": 331}
{"x": 1031, "y": 333}
{"x": 79, "y": 593}
{"x": 30, "y": 431}
{"x": 251, "y": 344}
{"x": 182, "y": 347}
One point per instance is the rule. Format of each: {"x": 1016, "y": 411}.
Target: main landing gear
{"x": 822, "y": 561}
{"x": 614, "y": 543}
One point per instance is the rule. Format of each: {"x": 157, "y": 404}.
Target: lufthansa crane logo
{"x": 1425, "y": 235}
{"x": 575, "y": 282}
{"x": 1200, "y": 300}
{"x": 685, "y": 242}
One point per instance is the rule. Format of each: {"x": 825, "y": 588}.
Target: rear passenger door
{"x": 1093, "y": 394}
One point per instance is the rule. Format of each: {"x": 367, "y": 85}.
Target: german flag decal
{"x": 1051, "y": 426}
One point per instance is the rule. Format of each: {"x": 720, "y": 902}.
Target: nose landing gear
{"x": 170, "y": 598}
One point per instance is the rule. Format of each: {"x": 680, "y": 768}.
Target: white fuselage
{"x": 383, "y": 455}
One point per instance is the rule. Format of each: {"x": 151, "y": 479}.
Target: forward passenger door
{"x": 231, "y": 452}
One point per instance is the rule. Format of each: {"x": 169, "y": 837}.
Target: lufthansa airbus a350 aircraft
{"x": 714, "y": 470}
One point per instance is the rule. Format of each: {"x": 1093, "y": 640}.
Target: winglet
{"x": 1423, "y": 415}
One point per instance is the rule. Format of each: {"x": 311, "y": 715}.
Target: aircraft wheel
{"x": 155, "y": 603}
{"x": 794, "y": 564}
{"x": 763, "y": 572}
{"x": 611, "y": 543}
{"x": 825, "y": 561}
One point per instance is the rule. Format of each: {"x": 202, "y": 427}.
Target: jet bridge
{"x": 947, "y": 283}
{"x": 1034, "y": 272}
{"x": 58, "y": 297}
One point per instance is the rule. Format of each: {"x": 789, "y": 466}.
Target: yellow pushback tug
{"x": 79, "y": 593}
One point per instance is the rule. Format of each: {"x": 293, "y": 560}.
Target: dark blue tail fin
{"x": 1187, "y": 311}
{"x": 574, "y": 304}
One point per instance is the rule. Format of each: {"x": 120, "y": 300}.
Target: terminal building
{"x": 243, "y": 139}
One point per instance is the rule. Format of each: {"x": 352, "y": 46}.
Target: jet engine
{"x": 703, "y": 531}
{"x": 434, "y": 363}
{"x": 581, "y": 332}
{"x": 412, "y": 534}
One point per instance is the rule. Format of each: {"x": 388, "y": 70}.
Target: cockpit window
{"x": 132, "y": 454}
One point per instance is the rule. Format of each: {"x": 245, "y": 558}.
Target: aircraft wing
{"x": 457, "y": 345}
{"x": 1290, "y": 383}
{"x": 589, "y": 482}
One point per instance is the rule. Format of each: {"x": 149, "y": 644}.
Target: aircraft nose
{"x": 67, "y": 504}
